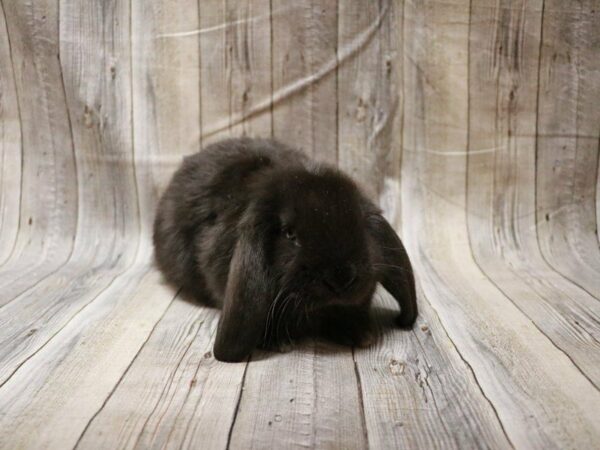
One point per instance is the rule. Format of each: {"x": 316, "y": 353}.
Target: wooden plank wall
{"x": 474, "y": 124}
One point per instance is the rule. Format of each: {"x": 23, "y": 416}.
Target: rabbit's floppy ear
{"x": 394, "y": 268}
{"x": 248, "y": 295}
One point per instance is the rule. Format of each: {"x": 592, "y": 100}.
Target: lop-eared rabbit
{"x": 284, "y": 246}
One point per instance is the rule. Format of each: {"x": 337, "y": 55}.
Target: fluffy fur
{"x": 284, "y": 246}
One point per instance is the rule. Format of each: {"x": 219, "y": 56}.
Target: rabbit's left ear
{"x": 248, "y": 296}
{"x": 394, "y": 269}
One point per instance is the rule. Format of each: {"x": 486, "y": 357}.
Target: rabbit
{"x": 284, "y": 246}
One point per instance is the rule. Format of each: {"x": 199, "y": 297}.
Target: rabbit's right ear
{"x": 394, "y": 268}
{"x": 248, "y": 296}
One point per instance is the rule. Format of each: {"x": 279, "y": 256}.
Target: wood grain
{"x": 305, "y": 39}
{"x": 235, "y": 49}
{"x": 93, "y": 294}
{"x": 482, "y": 322}
{"x": 59, "y": 389}
{"x": 165, "y": 110}
{"x": 248, "y": 44}
{"x": 306, "y": 398}
{"x": 367, "y": 96}
{"x": 567, "y": 144}
{"x": 213, "y": 71}
{"x": 97, "y": 257}
{"x": 502, "y": 199}
{"x": 418, "y": 391}
{"x": 48, "y": 198}
{"x": 10, "y": 147}
{"x": 167, "y": 391}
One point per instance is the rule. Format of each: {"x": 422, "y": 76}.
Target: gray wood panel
{"x": 567, "y": 144}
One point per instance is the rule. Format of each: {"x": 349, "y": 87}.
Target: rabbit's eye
{"x": 290, "y": 234}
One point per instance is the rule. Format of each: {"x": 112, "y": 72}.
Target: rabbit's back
{"x": 196, "y": 225}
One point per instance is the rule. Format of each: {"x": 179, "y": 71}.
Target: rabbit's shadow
{"x": 383, "y": 324}
{"x": 383, "y": 319}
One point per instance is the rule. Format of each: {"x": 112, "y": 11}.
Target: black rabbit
{"x": 285, "y": 246}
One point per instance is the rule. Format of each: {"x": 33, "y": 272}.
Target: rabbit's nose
{"x": 341, "y": 278}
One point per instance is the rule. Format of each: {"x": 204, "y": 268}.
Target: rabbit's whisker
{"x": 282, "y": 318}
{"x": 404, "y": 269}
{"x": 271, "y": 313}
{"x": 277, "y": 319}
{"x": 298, "y": 312}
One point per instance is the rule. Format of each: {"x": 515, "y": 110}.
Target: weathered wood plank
{"x": 10, "y": 147}
{"x": 166, "y": 96}
{"x": 248, "y": 42}
{"x": 100, "y": 126}
{"x": 568, "y": 140}
{"x": 108, "y": 218}
{"x": 214, "y": 71}
{"x": 223, "y": 384}
{"x": 164, "y": 400}
{"x": 542, "y": 400}
{"x": 48, "y": 202}
{"x": 418, "y": 391}
{"x": 387, "y": 129}
{"x": 59, "y": 389}
{"x": 367, "y": 96}
{"x": 29, "y": 322}
{"x": 305, "y": 41}
{"x": 502, "y": 182}
{"x": 235, "y": 42}
{"x": 306, "y": 398}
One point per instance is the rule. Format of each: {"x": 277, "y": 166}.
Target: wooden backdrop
{"x": 476, "y": 124}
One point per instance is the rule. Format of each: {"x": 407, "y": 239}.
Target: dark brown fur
{"x": 284, "y": 246}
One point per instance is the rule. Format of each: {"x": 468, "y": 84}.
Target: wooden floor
{"x": 475, "y": 124}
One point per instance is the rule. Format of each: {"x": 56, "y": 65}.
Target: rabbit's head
{"x": 319, "y": 242}
{"x": 309, "y": 240}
